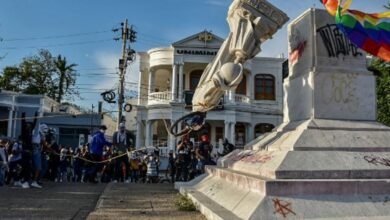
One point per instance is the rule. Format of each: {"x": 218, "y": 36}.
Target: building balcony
{"x": 159, "y": 98}
{"x": 242, "y": 99}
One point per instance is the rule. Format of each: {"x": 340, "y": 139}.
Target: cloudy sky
{"x": 81, "y": 31}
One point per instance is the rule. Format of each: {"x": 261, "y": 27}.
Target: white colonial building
{"x": 169, "y": 76}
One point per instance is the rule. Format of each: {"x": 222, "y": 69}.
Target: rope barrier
{"x": 103, "y": 161}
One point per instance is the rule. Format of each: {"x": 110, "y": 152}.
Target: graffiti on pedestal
{"x": 377, "y": 160}
{"x": 297, "y": 46}
{"x": 342, "y": 90}
{"x": 251, "y": 157}
{"x": 282, "y": 207}
{"x": 336, "y": 43}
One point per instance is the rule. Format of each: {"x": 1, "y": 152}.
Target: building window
{"x": 195, "y": 78}
{"x": 70, "y": 136}
{"x": 264, "y": 87}
{"x": 241, "y": 89}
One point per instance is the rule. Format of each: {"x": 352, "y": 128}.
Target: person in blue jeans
{"x": 98, "y": 143}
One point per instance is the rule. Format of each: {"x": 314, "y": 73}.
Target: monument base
{"x": 314, "y": 169}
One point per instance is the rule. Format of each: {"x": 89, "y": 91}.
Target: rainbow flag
{"x": 370, "y": 32}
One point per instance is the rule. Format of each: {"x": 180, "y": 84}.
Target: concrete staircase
{"x": 299, "y": 184}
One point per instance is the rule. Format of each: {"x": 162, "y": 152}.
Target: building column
{"x": 250, "y": 133}
{"x": 139, "y": 101}
{"x": 227, "y": 130}
{"x": 213, "y": 135}
{"x": 250, "y": 85}
{"x": 172, "y": 140}
{"x": 138, "y": 138}
{"x": 181, "y": 77}
{"x": 232, "y": 96}
{"x": 174, "y": 82}
{"x": 151, "y": 81}
{"x": 148, "y": 135}
{"x": 10, "y": 122}
{"x": 233, "y": 133}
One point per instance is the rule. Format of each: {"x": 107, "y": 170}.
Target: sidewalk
{"x": 53, "y": 201}
{"x": 140, "y": 201}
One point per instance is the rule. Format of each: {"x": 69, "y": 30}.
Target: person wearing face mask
{"x": 97, "y": 145}
{"x": 121, "y": 142}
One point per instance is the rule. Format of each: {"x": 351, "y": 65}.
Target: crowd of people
{"x": 36, "y": 156}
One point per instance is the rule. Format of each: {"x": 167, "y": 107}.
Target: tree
{"x": 12, "y": 79}
{"x": 39, "y": 70}
{"x": 66, "y": 76}
{"x": 382, "y": 70}
{"x": 41, "y": 74}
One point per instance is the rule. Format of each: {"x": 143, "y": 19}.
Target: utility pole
{"x": 128, "y": 55}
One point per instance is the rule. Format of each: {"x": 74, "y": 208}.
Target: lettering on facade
{"x": 336, "y": 43}
{"x": 282, "y": 207}
{"x": 197, "y": 52}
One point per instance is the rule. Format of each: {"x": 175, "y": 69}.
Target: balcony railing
{"x": 159, "y": 98}
{"x": 242, "y": 99}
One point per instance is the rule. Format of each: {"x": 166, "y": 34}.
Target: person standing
{"x": 203, "y": 153}
{"x": 27, "y": 134}
{"x": 121, "y": 142}
{"x": 182, "y": 160}
{"x": 15, "y": 162}
{"x": 152, "y": 165}
{"x": 3, "y": 161}
{"x": 134, "y": 167}
{"x": 37, "y": 142}
{"x": 97, "y": 145}
{"x": 172, "y": 166}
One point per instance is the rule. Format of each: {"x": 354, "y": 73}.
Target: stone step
{"x": 208, "y": 207}
{"x": 283, "y": 187}
{"x": 309, "y": 164}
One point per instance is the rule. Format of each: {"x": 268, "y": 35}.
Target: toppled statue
{"x": 251, "y": 23}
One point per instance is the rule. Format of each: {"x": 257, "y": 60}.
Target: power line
{"x": 54, "y": 36}
{"x": 56, "y": 45}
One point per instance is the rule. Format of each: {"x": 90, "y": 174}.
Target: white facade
{"x": 255, "y": 107}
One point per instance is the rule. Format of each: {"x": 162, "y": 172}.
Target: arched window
{"x": 195, "y": 78}
{"x": 264, "y": 87}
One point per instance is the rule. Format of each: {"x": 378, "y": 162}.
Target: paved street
{"x": 54, "y": 201}
{"x": 77, "y": 201}
{"x": 141, "y": 202}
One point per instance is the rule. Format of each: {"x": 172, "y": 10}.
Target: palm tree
{"x": 66, "y": 76}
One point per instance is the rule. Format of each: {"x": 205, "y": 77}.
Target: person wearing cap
{"x": 98, "y": 143}
{"x": 121, "y": 142}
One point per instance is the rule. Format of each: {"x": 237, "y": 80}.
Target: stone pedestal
{"x": 330, "y": 159}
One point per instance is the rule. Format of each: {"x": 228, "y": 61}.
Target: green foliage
{"x": 184, "y": 203}
{"x": 66, "y": 77}
{"x": 41, "y": 74}
{"x": 382, "y": 70}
